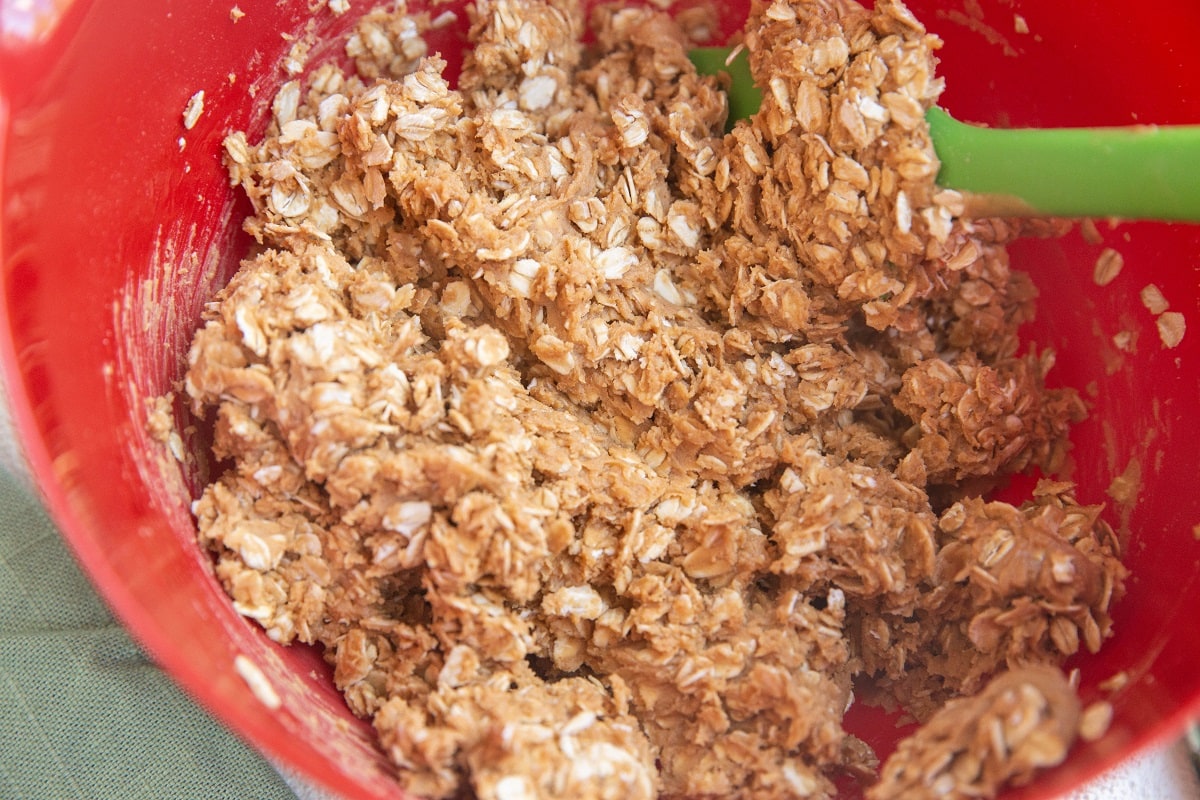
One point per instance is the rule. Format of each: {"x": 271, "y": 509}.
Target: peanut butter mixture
{"x": 608, "y": 454}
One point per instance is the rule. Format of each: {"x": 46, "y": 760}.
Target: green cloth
{"x": 83, "y": 713}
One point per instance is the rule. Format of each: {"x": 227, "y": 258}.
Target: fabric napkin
{"x": 83, "y": 713}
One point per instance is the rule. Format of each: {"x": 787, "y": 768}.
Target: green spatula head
{"x": 1139, "y": 172}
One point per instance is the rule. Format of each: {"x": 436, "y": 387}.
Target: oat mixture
{"x": 607, "y": 454}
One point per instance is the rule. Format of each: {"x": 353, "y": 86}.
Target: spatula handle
{"x": 1142, "y": 172}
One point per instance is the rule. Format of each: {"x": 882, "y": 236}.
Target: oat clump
{"x": 604, "y": 451}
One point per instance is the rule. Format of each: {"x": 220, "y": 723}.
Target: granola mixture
{"x": 608, "y": 454}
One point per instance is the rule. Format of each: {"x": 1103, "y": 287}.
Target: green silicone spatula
{"x": 1139, "y": 172}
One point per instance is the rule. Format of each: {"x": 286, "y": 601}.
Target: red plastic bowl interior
{"x": 118, "y": 224}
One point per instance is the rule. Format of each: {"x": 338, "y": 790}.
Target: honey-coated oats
{"x": 607, "y": 454}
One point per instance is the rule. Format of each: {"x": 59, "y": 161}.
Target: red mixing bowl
{"x": 119, "y": 223}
